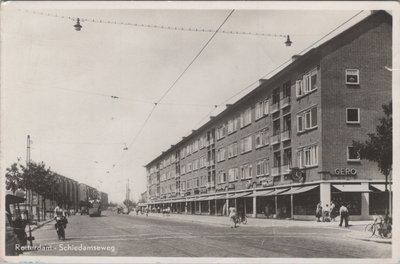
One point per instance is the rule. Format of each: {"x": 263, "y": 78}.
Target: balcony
{"x": 285, "y": 135}
{"x": 275, "y": 171}
{"x": 275, "y": 139}
{"x": 274, "y": 108}
{"x": 285, "y": 102}
{"x": 285, "y": 169}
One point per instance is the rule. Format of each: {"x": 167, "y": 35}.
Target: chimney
{"x": 261, "y": 81}
{"x": 212, "y": 117}
{"x": 228, "y": 105}
{"x": 295, "y": 57}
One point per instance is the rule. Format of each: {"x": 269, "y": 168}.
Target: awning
{"x": 203, "y": 198}
{"x": 296, "y": 190}
{"x": 352, "y": 187}
{"x": 380, "y": 187}
{"x": 261, "y": 193}
{"x": 276, "y": 192}
{"x": 238, "y": 195}
{"x": 215, "y": 197}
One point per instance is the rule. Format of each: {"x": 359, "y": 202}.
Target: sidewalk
{"x": 355, "y": 230}
{"x": 39, "y": 224}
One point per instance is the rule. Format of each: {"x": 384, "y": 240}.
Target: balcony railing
{"x": 285, "y": 102}
{"x": 275, "y": 139}
{"x": 275, "y": 171}
{"x": 285, "y": 169}
{"x": 285, "y": 135}
{"x": 274, "y": 108}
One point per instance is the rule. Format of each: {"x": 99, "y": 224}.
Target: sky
{"x": 57, "y": 83}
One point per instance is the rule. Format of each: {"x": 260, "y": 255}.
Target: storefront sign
{"x": 267, "y": 183}
{"x": 345, "y": 171}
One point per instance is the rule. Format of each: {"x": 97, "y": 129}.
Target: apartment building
{"x": 287, "y": 145}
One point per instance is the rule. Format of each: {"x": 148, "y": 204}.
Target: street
{"x": 156, "y": 236}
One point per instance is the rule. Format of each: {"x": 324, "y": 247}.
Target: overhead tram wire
{"x": 173, "y": 85}
{"x": 160, "y": 27}
{"x": 280, "y": 66}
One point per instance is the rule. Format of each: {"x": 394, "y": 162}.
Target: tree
{"x": 378, "y": 148}
{"x": 14, "y": 178}
{"x": 129, "y": 203}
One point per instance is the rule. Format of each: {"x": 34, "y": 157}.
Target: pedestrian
{"x": 266, "y": 211}
{"x": 318, "y": 212}
{"x": 325, "y": 214}
{"x": 344, "y": 215}
{"x": 331, "y": 211}
{"x": 232, "y": 216}
{"x": 224, "y": 209}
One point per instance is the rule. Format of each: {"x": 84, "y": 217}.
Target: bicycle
{"x": 241, "y": 220}
{"x": 381, "y": 228}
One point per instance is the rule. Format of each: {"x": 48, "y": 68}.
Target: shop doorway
{"x": 284, "y": 207}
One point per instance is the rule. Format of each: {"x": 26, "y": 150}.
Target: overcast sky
{"x": 57, "y": 83}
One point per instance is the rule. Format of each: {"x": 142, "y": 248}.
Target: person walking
{"x": 325, "y": 214}
{"x": 344, "y": 215}
{"x": 318, "y": 212}
{"x": 331, "y": 211}
{"x": 232, "y": 216}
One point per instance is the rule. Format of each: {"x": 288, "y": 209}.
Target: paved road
{"x": 141, "y": 236}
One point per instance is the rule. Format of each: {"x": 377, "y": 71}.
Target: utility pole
{"x": 28, "y": 158}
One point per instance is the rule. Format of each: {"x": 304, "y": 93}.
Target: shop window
{"x": 352, "y": 76}
{"x": 352, "y": 115}
{"x": 377, "y": 203}
{"x": 352, "y": 200}
{"x": 266, "y": 205}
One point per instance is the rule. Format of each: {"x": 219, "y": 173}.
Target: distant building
{"x": 287, "y": 145}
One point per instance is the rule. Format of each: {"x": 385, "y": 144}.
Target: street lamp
{"x": 77, "y": 26}
{"x": 288, "y": 43}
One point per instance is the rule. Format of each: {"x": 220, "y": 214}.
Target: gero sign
{"x": 345, "y": 172}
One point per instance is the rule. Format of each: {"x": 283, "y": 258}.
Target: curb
{"x": 41, "y": 224}
{"x": 370, "y": 239}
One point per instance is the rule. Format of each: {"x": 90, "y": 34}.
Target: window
{"x": 183, "y": 169}
{"x": 307, "y": 157}
{"x": 286, "y": 89}
{"x": 266, "y": 107}
{"x": 245, "y": 145}
{"x": 262, "y": 138}
{"x": 233, "y": 174}
{"x": 260, "y": 168}
{"x": 232, "y": 125}
{"x": 221, "y": 177}
{"x": 259, "y": 110}
{"x": 220, "y": 154}
{"x": 352, "y": 76}
{"x": 232, "y": 150}
{"x": 307, "y": 119}
{"x": 307, "y": 84}
{"x": 299, "y": 88}
{"x": 353, "y": 154}
{"x": 189, "y": 167}
{"x": 353, "y": 115}
{"x": 246, "y": 171}
{"x": 245, "y": 117}
{"x": 221, "y": 132}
